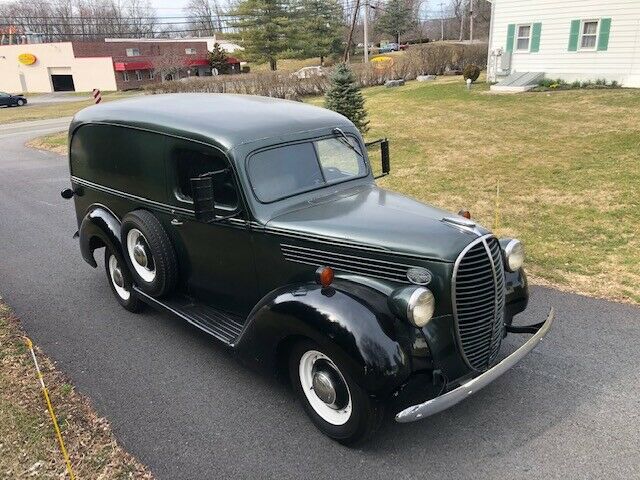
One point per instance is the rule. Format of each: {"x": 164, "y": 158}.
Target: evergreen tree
{"x": 218, "y": 59}
{"x": 320, "y": 27}
{"x": 265, "y": 29}
{"x": 344, "y": 97}
{"x": 398, "y": 17}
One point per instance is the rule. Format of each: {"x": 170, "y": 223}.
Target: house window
{"x": 523, "y": 41}
{"x": 589, "y": 37}
{"x": 133, "y": 52}
{"x": 138, "y": 75}
{"x": 190, "y": 51}
{"x": 151, "y": 75}
{"x": 125, "y": 76}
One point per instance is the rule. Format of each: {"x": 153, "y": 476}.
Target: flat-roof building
{"x": 83, "y": 66}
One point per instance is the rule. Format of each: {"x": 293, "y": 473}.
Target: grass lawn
{"x": 54, "y": 110}
{"x": 566, "y": 163}
{"x": 28, "y": 447}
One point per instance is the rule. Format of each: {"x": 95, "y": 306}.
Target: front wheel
{"x": 335, "y": 403}
{"x": 20, "y": 102}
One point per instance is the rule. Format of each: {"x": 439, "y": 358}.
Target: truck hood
{"x": 373, "y": 217}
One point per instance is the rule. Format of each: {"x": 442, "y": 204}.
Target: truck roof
{"x": 225, "y": 120}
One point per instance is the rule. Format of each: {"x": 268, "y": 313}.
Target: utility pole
{"x": 366, "y": 31}
{"x": 353, "y": 25}
{"x": 471, "y": 23}
{"x": 441, "y": 21}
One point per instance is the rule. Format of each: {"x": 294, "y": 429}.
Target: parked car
{"x": 268, "y": 232}
{"x": 308, "y": 72}
{"x": 8, "y": 100}
{"x": 389, "y": 47}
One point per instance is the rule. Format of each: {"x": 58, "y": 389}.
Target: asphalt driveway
{"x": 180, "y": 403}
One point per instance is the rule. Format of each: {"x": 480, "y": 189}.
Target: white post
{"x": 366, "y": 31}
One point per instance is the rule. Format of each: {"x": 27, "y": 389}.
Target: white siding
{"x": 620, "y": 62}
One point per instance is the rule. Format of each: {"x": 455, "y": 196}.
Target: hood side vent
{"x": 369, "y": 267}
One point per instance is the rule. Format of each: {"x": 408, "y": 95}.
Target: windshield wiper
{"x": 343, "y": 137}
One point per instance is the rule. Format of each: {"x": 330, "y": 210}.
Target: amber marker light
{"x": 465, "y": 213}
{"x": 324, "y": 276}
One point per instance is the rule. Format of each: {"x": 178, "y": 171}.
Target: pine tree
{"x": 320, "y": 27}
{"x": 397, "y": 18}
{"x": 264, "y": 29}
{"x": 344, "y": 97}
{"x": 218, "y": 59}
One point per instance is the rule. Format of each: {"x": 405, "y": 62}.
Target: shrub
{"x": 427, "y": 59}
{"x": 245, "y": 69}
{"x": 471, "y": 72}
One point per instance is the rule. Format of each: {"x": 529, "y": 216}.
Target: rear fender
{"x": 99, "y": 228}
{"x": 351, "y": 322}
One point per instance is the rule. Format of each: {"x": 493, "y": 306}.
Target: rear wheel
{"x": 20, "y": 102}
{"x": 339, "y": 407}
{"x": 120, "y": 281}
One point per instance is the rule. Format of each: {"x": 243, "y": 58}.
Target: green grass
{"x": 566, "y": 164}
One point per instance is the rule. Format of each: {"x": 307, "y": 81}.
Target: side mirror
{"x": 68, "y": 193}
{"x": 386, "y": 158}
{"x": 384, "y": 155}
{"x": 203, "y": 198}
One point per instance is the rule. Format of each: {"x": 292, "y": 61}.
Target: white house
{"x": 571, "y": 39}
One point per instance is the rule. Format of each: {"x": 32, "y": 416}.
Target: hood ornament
{"x": 463, "y": 222}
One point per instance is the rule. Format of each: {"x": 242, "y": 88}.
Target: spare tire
{"x": 149, "y": 253}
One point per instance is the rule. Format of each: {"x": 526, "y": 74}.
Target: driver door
{"x": 216, "y": 258}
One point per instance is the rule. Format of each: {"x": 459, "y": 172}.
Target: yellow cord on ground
{"x": 495, "y": 220}
{"x": 52, "y": 414}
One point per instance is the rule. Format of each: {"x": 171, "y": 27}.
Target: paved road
{"x": 30, "y": 129}
{"x": 181, "y": 404}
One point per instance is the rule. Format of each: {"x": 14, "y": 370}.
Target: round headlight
{"x": 514, "y": 255}
{"x": 420, "y": 307}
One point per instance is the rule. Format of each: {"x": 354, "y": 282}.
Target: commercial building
{"x": 83, "y": 66}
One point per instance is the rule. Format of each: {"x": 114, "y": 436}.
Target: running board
{"x": 220, "y": 325}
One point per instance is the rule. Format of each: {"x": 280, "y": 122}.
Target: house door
{"x": 62, "y": 83}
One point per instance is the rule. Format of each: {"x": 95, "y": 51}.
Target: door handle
{"x": 175, "y": 222}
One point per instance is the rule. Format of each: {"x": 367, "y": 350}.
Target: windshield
{"x": 284, "y": 171}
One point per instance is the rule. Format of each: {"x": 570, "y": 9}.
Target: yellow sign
{"x": 27, "y": 58}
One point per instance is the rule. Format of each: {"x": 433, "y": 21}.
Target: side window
{"x": 127, "y": 160}
{"x": 190, "y": 162}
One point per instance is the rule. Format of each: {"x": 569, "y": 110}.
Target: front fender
{"x": 99, "y": 228}
{"x": 350, "y": 321}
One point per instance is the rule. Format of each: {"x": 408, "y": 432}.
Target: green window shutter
{"x": 574, "y": 36}
{"x": 511, "y": 32}
{"x": 535, "y": 37}
{"x": 603, "y": 39}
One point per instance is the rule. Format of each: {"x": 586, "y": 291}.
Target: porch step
{"x": 219, "y": 324}
{"x": 518, "y": 82}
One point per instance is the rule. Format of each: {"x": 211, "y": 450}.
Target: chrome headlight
{"x": 421, "y": 307}
{"x": 415, "y": 304}
{"x": 513, "y": 254}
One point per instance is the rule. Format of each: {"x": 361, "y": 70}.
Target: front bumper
{"x": 449, "y": 399}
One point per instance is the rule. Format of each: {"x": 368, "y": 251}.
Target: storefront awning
{"x": 126, "y": 66}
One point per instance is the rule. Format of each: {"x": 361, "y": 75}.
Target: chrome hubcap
{"x": 323, "y": 386}
{"x": 140, "y": 254}
{"x": 117, "y": 277}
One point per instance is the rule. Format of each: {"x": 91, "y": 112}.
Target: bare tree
{"x": 168, "y": 65}
{"x": 204, "y": 15}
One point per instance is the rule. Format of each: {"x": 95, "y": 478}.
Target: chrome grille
{"x": 478, "y": 301}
